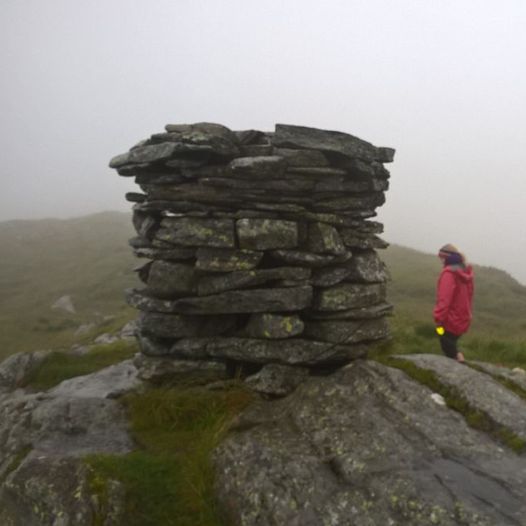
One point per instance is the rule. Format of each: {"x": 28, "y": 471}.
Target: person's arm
{"x": 445, "y": 290}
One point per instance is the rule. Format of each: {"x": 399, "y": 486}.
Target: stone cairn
{"x": 259, "y": 246}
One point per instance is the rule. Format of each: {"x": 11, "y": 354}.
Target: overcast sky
{"x": 442, "y": 81}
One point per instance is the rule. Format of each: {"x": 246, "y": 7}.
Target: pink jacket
{"x": 453, "y": 308}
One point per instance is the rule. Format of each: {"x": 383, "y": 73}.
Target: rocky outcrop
{"x": 260, "y": 244}
{"x": 44, "y": 437}
{"x": 368, "y": 445}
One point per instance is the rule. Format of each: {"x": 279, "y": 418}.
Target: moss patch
{"x": 169, "y": 481}
{"x": 475, "y": 418}
{"x": 60, "y": 366}
{"x": 506, "y": 382}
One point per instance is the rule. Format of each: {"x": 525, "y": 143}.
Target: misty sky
{"x": 442, "y": 81}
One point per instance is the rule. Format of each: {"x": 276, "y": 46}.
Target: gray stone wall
{"x": 259, "y": 247}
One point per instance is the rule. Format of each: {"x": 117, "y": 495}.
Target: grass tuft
{"x": 59, "y": 366}
{"x": 169, "y": 481}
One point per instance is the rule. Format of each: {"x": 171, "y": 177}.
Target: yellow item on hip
{"x": 440, "y": 331}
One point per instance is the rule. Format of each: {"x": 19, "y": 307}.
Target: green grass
{"x": 60, "y": 366}
{"x": 169, "y": 481}
{"x": 86, "y": 258}
{"x": 499, "y": 302}
{"x": 411, "y": 336}
{"x": 454, "y": 400}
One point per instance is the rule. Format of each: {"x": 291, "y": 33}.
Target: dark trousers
{"x": 448, "y": 342}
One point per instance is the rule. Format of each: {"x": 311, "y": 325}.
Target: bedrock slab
{"x": 480, "y": 390}
{"x": 365, "y": 446}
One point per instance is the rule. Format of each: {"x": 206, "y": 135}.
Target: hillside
{"x": 499, "y": 302}
{"x": 88, "y": 259}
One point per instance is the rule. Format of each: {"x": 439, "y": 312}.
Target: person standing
{"x": 454, "y": 300}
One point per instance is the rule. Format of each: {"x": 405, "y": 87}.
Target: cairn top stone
{"x": 288, "y": 136}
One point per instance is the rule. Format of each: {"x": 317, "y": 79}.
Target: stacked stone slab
{"x": 260, "y": 246}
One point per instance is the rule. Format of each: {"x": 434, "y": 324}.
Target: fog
{"x": 443, "y": 82}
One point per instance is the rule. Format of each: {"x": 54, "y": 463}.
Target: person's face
{"x": 442, "y": 257}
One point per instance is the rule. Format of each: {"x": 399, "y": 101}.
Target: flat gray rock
{"x": 266, "y": 234}
{"x": 292, "y": 351}
{"x": 277, "y": 380}
{"x": 480, "y": 390}
{"x": 189, "y": 231}
{"x": 347, "y": 331}
{"x": 365, "y": 446}
{"x": 345, "y": 296}
{"x": 516, "y": 375}
{"x": 15, "y": 370}
{"x": 225, "y": 260}
{"x": 110, "y": 382}
{"x": 159, "y": 370}
{"x": 268, "y": 167}
{"x": 247, "y": 301}
{"x": 287, "y": 136}
{"x": 324, "y": 239}
{"x": 249, "y": 278}
{"x": 163, "y": 325}
{"x": 168, "y": 280}
{"x": 274, "y": 326}
{"x": 366, "y": 267}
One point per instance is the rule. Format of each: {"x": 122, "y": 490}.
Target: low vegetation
{"x": 59, "y": 366}
{"x": 85, "y": 258}
{"x": 169, "y": 479}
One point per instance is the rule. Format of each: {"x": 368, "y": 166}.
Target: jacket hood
{"x": 465, "y": 273}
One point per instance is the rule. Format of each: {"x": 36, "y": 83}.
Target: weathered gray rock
{"x": 346, "y": 296}
{"x": 287, "y": 136}
{"x": 57, "y": 491}
{"x": 168, "y": 279}
{"x": 480, "y": 390}
{"x": 17, "y": 368}
{"x": 292, "y": 351}
{"x": 214, "y": 138}
{"x": 277, "y": 380}
{"x": 181, "y": 326}
{"x": 308, "y": 259}
{"x": 189, "y": 231}
{"x": 302, "y": 157}
{"x": 110, "y": 382}
{"x": 346, "y": 330}
{"x": 219, "y": 260}
{"x": 291, "y": 185}
{"x": 324, "y": 239}
{"x": 274, "y": 326}
{"x": 158, "y": 370}
{"x": 360, "y": 313}
{"x": 330, "y": 275}
{"x": 253, "y": 300}
{"x": 366, "y": 267}
{"x": 64, "y": 303}
{"x": 355, "y": 239}
{"x": 268, "y": 167}
{"x": 146, "y": 154}
{"x": 255, "y": 150}
{"x": 140, "y": 300}
{"x": 266, "y": 234}
{"x": 517, "y": 375}
{"x": 350, "y": 203}
{"x": 250, "y": 278}
{"x": 171, "y": 254}
{"x": 366, "y": 446}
